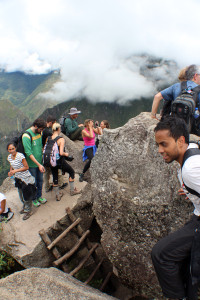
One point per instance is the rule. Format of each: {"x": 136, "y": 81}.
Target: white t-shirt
{"x": 18, "y": 164}
{"x": 3, "y": 197}
{"x": 191, "y": 177}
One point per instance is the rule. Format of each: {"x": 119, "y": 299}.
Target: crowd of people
{"x": 28, "y": 165}
{"x": 176, "y": 257}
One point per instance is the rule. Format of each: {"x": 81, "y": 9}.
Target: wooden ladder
{"x": 61, "y": 260}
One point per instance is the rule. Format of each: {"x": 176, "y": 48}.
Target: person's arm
{"x": 24, "y": 168}
{"x": 96, "y": 130}
{"x": 68, "y": 125}
{"x": 3, "y": 206}
{"x": 26, "y": 140}
{"x": 90, "y": 134}
{"x": 156, "y": 102}
{"x": 100, "y": 131}
{"x": 61, "y": 144}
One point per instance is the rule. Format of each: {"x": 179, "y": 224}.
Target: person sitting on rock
{"x": 72, "y": 129}
{"x": 62, "y": 164}
{"x": 5, "y": 213}
{"x": 24, "y": 181}
{"x": 90, "y": 148}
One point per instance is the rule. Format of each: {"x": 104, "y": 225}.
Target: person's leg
{"x": 39, "y": 187}
{"x": 46, "y": 178}
{"x": 67, "y": 168}
{"x": 38, "y": 182}
{"x": 28, "y": 195}
{"x": 21, "y": 199}
{"x": 76, "y": 135}
{"x": 61, "y": 182}
{"x": 33, "y": 172}
{"x": 58, "y": 194}
{"x": 168, "y": 257}
{"x": 90, "y": 155}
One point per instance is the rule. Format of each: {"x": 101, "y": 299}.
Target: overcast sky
{"x": 90, "y": 42}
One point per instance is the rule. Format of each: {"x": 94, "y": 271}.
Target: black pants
{"x": 89, "y": 153}
{"x": 65, "y": 167}
{"x": 171, "y": 260}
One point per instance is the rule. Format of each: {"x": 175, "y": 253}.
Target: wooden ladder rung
{"x": 72, "y": 251}
{"x": 79, "y": 228}
{"x": 63, "y": 234}
{"x": 94, "y": 272}
{"x": 55, "y": 251}
{"x": 73, "y": 272}
{"x": 105, "y": 281}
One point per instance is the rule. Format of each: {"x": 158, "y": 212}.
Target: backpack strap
{"x": 196, "y": 91}
{"x": 183, "y": 86}
{"x": 57, "y": 138}
{"x": 28, "y": 134}
{"x": 189, "y": 153}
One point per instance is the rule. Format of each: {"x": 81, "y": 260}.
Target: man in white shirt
{"x": 171, "y": 256}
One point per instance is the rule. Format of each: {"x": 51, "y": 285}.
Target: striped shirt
{"x": 17, "y": 163}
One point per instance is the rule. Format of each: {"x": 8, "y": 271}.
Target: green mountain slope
{"x": 23, "y": 91}
{"x": 12, "y": 119}
{"x": 116, "y": 114}
{"x": 33, "y": 105}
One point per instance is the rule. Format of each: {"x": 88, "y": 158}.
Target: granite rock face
{"x": 46, "y": 284}
{"x": 135, "y": 201}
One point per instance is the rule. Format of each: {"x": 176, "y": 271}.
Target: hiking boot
{"x": 47, "y": 190}
{"x": 59, "y": 196}
{"x": 27, "y": 215}
{"x": 63, "y": 186}
{"x": 75, "y": 192}
{"x": 42, "y": 200}
{"x": 10, "y": 215}
{"x": 36, "y": 203}
{"x": 81, "y": 177}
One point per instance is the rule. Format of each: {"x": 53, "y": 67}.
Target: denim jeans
{"x": 35, "y": 172}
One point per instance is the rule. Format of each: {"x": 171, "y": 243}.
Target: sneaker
{"x": 63, "y": 186}
{"x": 75, "y": 192}
{"x": 27, "y": 215}
{"x": 22, "y": 211}
{"x": 49, "y": 189}
{"x": 10, "y": 215}
{"x": 42, "y": 200}
{"x": 81, "y": 177}
{"x": 36, "y": 203}
{"x": 59, "y": 196}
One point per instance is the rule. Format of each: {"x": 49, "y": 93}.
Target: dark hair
{"x": 106, "y": 124}
{"x": 176, "y": 127}
{"x": 11, "y": 143}
{"x": 51, "y": 119}
{"x": 40, "y": 123}
{"x": 191, "y": 71}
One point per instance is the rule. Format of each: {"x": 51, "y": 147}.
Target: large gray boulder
{"x": 135, "y": 201}
{"x": 46, "y": 284}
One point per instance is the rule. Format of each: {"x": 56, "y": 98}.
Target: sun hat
{"x": 74, "y": 111}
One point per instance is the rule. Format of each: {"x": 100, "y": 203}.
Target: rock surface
{"x": 135, "y": 201}
{"x": 21, "y": 238}
{"x": 46, "y": 284}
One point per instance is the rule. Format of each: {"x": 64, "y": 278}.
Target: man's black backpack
{"x": 184, "y": 106}
{"x": 19, "y": 144}
{"x": 61, "y": 121}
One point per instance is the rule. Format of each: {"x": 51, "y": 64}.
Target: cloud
{"x": 96, "y": 44}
